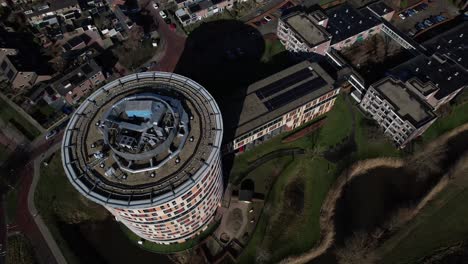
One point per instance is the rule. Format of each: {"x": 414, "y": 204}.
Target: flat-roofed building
{"x": 451, "y": 45}
{"x": 436, "y": 81}
{"x": 162, "y": 180}
{"x": 401, "y": 113}
{"x": 282, "y": 102}
{"x": 348, "y": 25}
{"x": 300, "y": 32}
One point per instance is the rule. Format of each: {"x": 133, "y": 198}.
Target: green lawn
{"x": 377, "y": 145}
{"x": 166, "y": 249}
{"x": 19, "y": 250}
{"x": 11, "y": 205}
{"x": 272, "y": 47}
{"x": 457, "y": 117}
{"x": 57, "y": 201}
{"x": 443, "y": 222}
{"x": 4, "y": 152}
{"x": 8, "y": 114}
{"x": 280, "y": 232}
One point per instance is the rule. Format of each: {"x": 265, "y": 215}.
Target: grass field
{"x": 272, "y": 47}
{"x": 9, "y": 114}
{"x": 457, "y": 117}
{"x": 19, "y": 250}
{"x": 57, "y": 201}
{"x": 11, "y": 205}
{"x": 443, "y": 222}
{"x": 281, "y": 232}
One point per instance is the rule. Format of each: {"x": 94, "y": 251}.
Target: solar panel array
{"x": 283, "y": 83}
{"x": 294, "y": 94}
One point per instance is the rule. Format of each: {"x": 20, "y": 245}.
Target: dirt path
{"x": 328, "y": 209}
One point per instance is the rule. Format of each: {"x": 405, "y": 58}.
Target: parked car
{"x": 410, "y": 12}
{"x": 402, "y": 16}
{"x": 420, "y": 26}
{"x": 163, "y": 14}
{"x": 267, "y": 18}
{"x": 51, "y": 134}
{"x": 428, "y": 23}
{"x": 155, "y": 5}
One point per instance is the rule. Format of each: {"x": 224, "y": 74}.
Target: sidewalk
{"x": 35, "y": 214}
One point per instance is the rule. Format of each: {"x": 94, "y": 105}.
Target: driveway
{"x": 173, "y": 43}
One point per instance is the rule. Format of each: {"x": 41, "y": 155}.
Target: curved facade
{"x": 147, "y": 148}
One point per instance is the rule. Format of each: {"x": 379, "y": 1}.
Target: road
{"x": 28, "y": 223}
{"x": 174, "y": 43}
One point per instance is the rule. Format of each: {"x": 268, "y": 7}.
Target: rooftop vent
{"x": 438, "y": 46}
{"x": 360, "y": 21}
{"x": 449, "y": 78}
{"x": 347, "y": 10}
{"x": 456, "y": 73}
{"x": 450, "y": 41}
{"x": 349, "y": 27}
{"x": 334, "y": 15}
{"x": 461, "y": 35}
{"x": 459, "y": 59}
{"x": 417, "y": 69}
{"x": 385, "y": 9}
{"x": 429, "y": 62}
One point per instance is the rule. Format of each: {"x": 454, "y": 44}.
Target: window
{"x": 4, "y": 65}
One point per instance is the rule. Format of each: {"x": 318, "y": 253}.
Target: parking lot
{"x": 419, "y": 18}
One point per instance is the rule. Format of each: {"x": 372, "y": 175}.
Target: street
{"x": 174, "y": 43}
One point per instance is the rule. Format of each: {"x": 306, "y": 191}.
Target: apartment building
{"x": 79, "y": 82}
{"x": 339, "y": 27}
{"x": 304, "y": 33}
{"x": 194, "y": 11}
{"x": 434, "y": 80}
{"x": 282, "y": 102}
{"x": 20, "y": 70}
{"x": 401, "y": 113}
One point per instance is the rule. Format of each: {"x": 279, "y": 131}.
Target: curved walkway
{"x": 35, "y": 214}
{"x": 327, "y": 212}
{"x": 28, "y": 220}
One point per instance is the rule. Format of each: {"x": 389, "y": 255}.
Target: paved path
{"x": 33, "y": 211}
{"x": 28, "y": 221}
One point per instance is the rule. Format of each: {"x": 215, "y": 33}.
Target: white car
{"x": 155, "y": 6}
{"x": 51, "y": 134}
{"x": 162, "y": 14}
{"x": 402, "y": 16}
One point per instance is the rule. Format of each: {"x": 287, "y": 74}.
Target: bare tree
{"x": 425, "y": 163}
{"x": 359, "y": 249}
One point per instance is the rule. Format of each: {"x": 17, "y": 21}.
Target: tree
{"x": 359, "y": 249}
